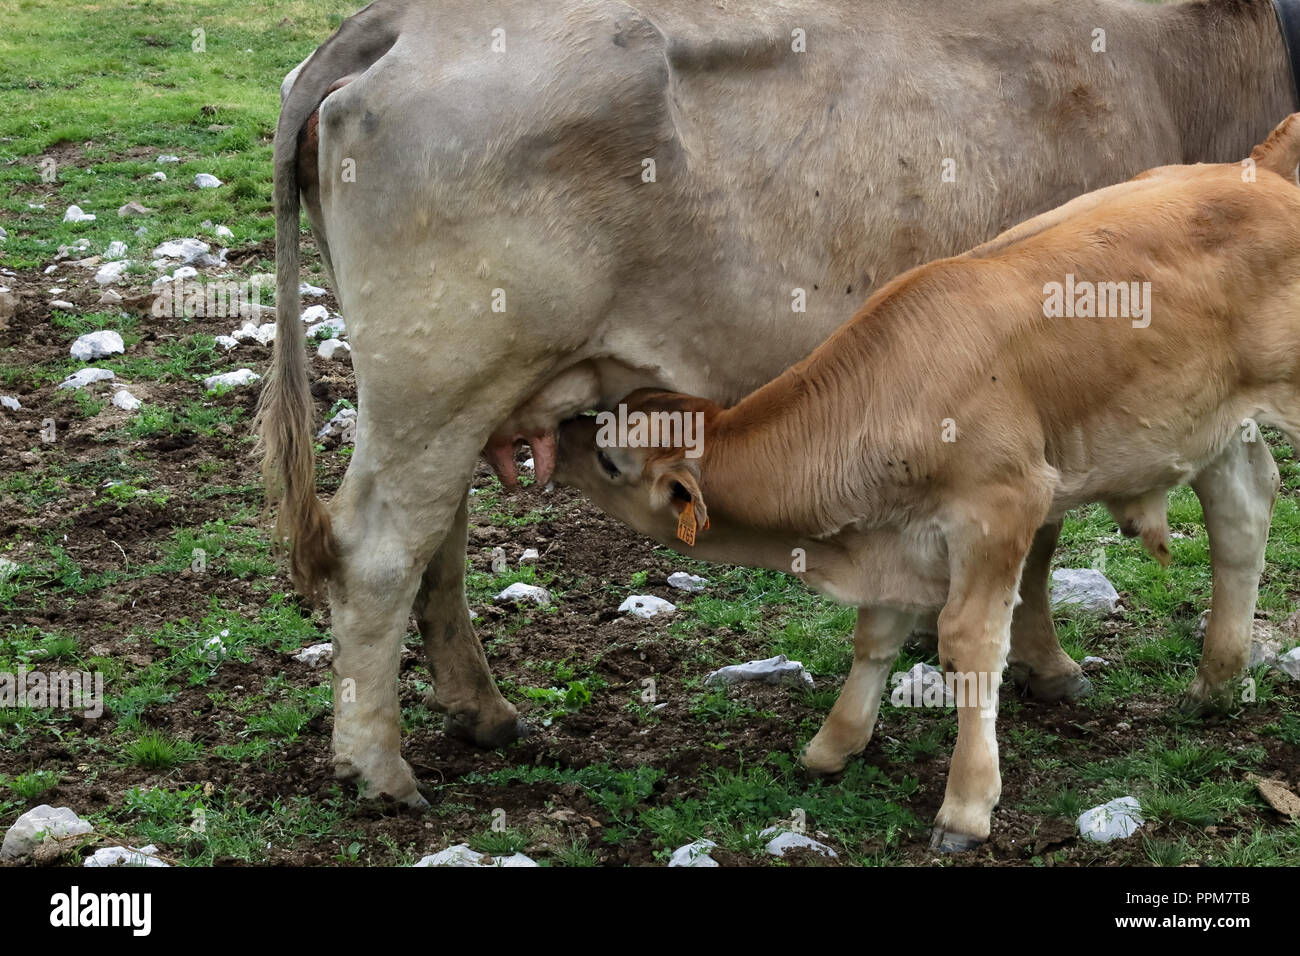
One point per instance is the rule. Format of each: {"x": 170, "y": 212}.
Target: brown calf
{"x": 1113, "y": 348}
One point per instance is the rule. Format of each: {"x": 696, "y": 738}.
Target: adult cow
{"x": 531, "y": 209}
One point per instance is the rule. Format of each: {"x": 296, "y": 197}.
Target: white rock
{"x": 530, "y": 556}
{"x": 227, "y": 342}
{"x": 1095, "y": 660}
{"x": 337, "y": 426}
{"x": 50, "y": 270}
{"x": 318, "y": 655}
{"x": 185, "y": 272}
{"x": 694, "y": 854}
{"x": 1118, "y": 819}
{"x": 3, "y": 235}
{"x": 265, "y": 334}
{"x": 920, "y": 684}
{"x": 772, "y": 670}
{"x": 783, "y": 840}
{"x": 315, "y": 313}
{"x": 186, "y": 249}
{"x": 125, "y": 400}
{"x": 8, "y": 567}
{"x": 166, "y": 158}
{"x": 95, "y": 345}
{"x": 74, "y": 214}
{"x": 462, "y": 855}
{"x": 62, "y": 304}
{"x": 686, "y": 582}
{"x": 333, "y": 349}
{"x": 122, "y": 856}
{"x": 646, "y": 606}
{"x": 1084, "y": 588}
{"x": 527, "y": 464}
{"x": 116, "y": 249}
{"x": 160, "y": 176}
{"x": 1289, "y": 663}
{"x": 132, "y": 210}
{"x": 224, "y": 232}
{"x": 11, "y": 403}
{"x": 245, "y": 333}
{"x": 524, "y": 592}
{"x": 243, "y": 376}
{"x": 55, "y": 291}
{"x": 84, "y": 377}
{"x": 206, "y": 181}
{"x": 214, "y": 648}
{"x": 306, "y": 288}
{"x": 333, "y": 326}
{"x": 498, "y": 562}
{"x": 36, "y": 826}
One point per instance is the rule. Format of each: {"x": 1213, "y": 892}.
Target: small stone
{"x": 686, "y": 582}
{"x": 1279, "y": 797}
{"x": 920, "y": 685}
{"x": 1083, "y": 588}
{"x": 110, "y": 297}
{"x": 74, "y": 214}
{"x": 783, "y": 840}
{"x": 1116, "y": 820}
{"x": 771, "y": 670}
{"x": 224, "y": 232}
{"x": 62, "y": 304}
{"x": 1100, "y": 661}
{"x": 646, "y": 606}
{"x": 343, "y": 425}
{"x": 243, "y": 376}
{"x": 125, "y": 400}
{"x": 122, "y": 856}
{"x": 133, "y": 210}
{"x": 317, "y": 655}
{"x": 1289, "y": 663}
{"x": 94, "y": 345}
{"x": 11, "y": 403}
{"x": 84, "y": 377}
{"x": 227, "y": 342}
{"x": 116, "y": 249}
{"x": 315, "y": 313}
{"x": 334, "y": 350}
{"x": 462, "y": 855}
{"x": 160, "y": 176}
{"x": 694, "y": 854}
{"x": 166, "y": 158}
{"x": 530, "y": 556}
{"x": 519, "y": 592}
{"x": 206, "y": 181}
{"x": 36, "y": 826}
{"x": 306, "y": 288}
{"x": 8, "y": 567}
{"x": 110, "y": 272}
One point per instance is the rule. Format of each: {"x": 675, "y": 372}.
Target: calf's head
{"x": 643, "y": 462}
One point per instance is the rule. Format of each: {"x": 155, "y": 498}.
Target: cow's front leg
{"x": 1037, "y": 662}
{"x": 974, "y": 637}
{"x": 1237, "y": 492}
{"x": 879, "y": 633}
{"x": 463, "y": 688}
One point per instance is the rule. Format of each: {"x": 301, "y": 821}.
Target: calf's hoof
{"x": 950, "y": 841}
{"x": 1203, "y": 700}
{"x": 822, "y": 760}
{"x": 392, "y": 777}
{"x": 486, "y": 734}
{"x": 1068, "y": 685}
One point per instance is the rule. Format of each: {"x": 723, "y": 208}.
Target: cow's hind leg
{"x": 1037, "y": 662}
{"x": 878, "y": 635}
{"x": 1237, "y": 492}
{"x": 463, "y": 688}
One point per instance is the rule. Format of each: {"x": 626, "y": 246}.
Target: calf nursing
{"x": 908, "y": 464}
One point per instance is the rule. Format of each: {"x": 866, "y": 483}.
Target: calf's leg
{"x": 974, "y": 638}
{"x": 879, "y": 633}
{"x": 1237, "y": 492}
{"x": 1037, "y": 662}
{"x": 463, "y": 687}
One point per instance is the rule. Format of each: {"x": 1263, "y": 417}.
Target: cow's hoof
{"x": 950, "y": 841}
{"x": 823, "y": 761}
{"x": 1068, "y": 686}
{"x": 392, "y": 778}
{"x": 1195, "y": 703}
{"x": 489, "y": 736}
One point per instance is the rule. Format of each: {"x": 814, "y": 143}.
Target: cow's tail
{"x": 1280, "y": 153}
{"x": 284, "y": 423}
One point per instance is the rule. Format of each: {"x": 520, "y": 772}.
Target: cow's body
{"x": 911, "y": 459}
{"x": 451, "y": 177}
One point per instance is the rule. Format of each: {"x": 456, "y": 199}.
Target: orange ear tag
{"x": 686, "y": 524}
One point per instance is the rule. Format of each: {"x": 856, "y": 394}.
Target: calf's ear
{"x": 684, "y": 493}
